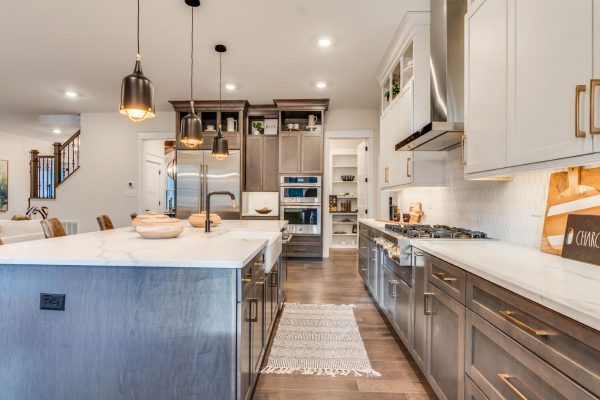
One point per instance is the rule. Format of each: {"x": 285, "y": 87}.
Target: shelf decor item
{"x": 271, "y": 126}
{"x": 3, "y": 185}
{"x": 333, "y": 203}
{"x": 348, "y": 178}
{"x": 264, "y": 210}
{"x": 220, "y": 147}
{"x": 137, "y": 91}
{"x": 191, "y": 125}
{"x": 257, "y": 128}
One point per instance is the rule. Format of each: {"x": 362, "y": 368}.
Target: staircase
{"x": 48, "y": 172}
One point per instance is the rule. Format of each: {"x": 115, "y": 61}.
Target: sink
{"x": 272, "y": 249}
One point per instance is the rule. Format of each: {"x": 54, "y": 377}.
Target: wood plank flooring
{"x": 336, "y": 281}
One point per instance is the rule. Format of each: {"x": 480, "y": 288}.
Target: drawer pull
{"x": 508, "y": 315}
{"x": 427, "y": 304}
{"x": 445, "y": 278}
{"x": 505, "y": 378}
{"x": 393, "y": 288}
{"x": 362, "y": 268}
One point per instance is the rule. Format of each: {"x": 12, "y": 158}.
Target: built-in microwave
{"x": 302, "y": 219}
{"x": 300, "y": 189}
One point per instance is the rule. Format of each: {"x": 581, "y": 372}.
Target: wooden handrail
{"x": 71, "y": 139}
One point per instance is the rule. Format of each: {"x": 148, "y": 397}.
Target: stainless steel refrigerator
{"x": 199, "y": 173}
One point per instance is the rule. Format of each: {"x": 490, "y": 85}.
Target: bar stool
{"x": 104, "y": 222}
{"x": 53, "y": 228}
{"x": 133, "y": 216}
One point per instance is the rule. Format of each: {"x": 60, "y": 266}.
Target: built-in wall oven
{"x": 300, "y": 199}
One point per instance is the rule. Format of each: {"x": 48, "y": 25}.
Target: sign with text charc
{"x": 582, "y": 238}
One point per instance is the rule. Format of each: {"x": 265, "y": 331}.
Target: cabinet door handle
{"x": 386, "y": 175}
{"x": 427, "y": 304}
{"x": 362, "y": 268}
{"x": 442, "y": 276}
{"x": 408, "y": 167}
{"x": 505, "y": 378}
{"x": 394, "y": 286}
{"x": 578, "y": 90}
{"x": 508, "y": 315}
{"x": 255, "y": 303}
{"x": 418, "y": 254}
{"x": 463, "y": 157}
{"x": 594, "y": 83}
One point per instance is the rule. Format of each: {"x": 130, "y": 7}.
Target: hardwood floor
{"x": 336, "y": 281}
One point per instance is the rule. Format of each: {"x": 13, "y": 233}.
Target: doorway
{"x": 158, "y": 184}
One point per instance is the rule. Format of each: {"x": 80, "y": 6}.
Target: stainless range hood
{"x": 447, "y": 79}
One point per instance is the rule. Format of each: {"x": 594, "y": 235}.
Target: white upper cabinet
{"x": 529, "y": 66}
{"x": 485, "y": 86}
{"x": 550, "y": 46}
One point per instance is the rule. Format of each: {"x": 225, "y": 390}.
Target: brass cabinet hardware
{"x": 508, "y": 315}
{"x": 386, "y": 175}
{"x": 255, "y": 303}
{"x": 258, "y": 263}
{"x": 505, "y": 378}
{"x": 442, "y": 276}
{"x": 427, "y": 303}
{"x": 408, "y": 167}
{"x": 362, "y": 268}
{"x": 261, "y": 281}
{"x": 418, "y": 254}
{"x": 578, "y": 90}
{"x": 594, "y": 84}
{"x": 463, "y": 158}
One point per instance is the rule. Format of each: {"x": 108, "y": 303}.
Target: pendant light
{"x": 191, "y": 125}
{"x": 137, "y": 91}
{"x": 220, "y": 147}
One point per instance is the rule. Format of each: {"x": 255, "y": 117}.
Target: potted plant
{"x": 257, "y": 128}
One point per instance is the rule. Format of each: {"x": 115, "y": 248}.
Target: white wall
{"x": 512, "y": 211}
{"x": 15, "y": 149}
{"x": 109, "y": 160}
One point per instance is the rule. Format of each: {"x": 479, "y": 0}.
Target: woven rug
{"x": 318, "y": 339}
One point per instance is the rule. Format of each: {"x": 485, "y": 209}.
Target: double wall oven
{"x": 300, "y": 200}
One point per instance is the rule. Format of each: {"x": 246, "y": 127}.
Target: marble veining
{"x": 124, "y": 247}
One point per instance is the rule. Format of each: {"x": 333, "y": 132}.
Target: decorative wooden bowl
{"x": 159, "y": 228}
{"x": 264, "y": 210}
{"x": 199, "y": 220}
{"x": 147, "y": 217}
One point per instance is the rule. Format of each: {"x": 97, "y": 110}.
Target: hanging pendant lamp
{"x": 137, "y": 91}
{"x": 220, "y": 147}
{"x": 191, "y": 125}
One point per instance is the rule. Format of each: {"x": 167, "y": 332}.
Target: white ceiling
{"x": 48, "y": 47}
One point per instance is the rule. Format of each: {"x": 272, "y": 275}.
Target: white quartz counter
{"x": 569, "y": 287}
{"x": 124, "y": 247}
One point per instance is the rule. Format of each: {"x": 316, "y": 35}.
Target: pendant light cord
{"x": 220, "y": 89}
{"x": 192, "y": 64}
{"x": 138, "y": 28}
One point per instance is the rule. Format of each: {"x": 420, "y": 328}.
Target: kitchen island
{"x": 109, "y": 315}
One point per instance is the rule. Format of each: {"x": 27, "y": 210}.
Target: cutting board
{"x": 576, "y": 191}
{"x": 416, "y": 212}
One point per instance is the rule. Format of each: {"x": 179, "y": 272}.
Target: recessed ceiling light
{"x": 56, "y": 131}
{"x": 321, "y": 85}
{"x": 324, "y": 42}
{"x": 71, "y": 94}
{"x": 230, "y": 86}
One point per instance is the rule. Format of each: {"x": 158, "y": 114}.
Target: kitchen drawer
{"x": 304, "y": 250}
{"x": 503, "y": 369}
{"x": 472, "y": 392}
{"x": 363, "y": 246}
{"x": 363, "y": 267}
{"x": 306, "y": 239}
{"x": 365, "y": 230}
{"x": 570, "y": 347}
{"x": 447, "y": 277}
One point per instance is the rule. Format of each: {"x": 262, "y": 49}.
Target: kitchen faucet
{"x": 233, "y": 204}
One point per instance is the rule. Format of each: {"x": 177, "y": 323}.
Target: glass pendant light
{"x": 191, "y": 125}
{"x": 220, "y": 147}
{"x": 137, "y": 91}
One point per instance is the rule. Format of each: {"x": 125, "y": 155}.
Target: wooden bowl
{"x": 148, "y": 217}
{"x": 159, "y": 228}
{"x": 264, "y": 210}
{"x": 199, "y": 220}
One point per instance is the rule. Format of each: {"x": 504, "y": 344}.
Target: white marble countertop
{"x": 565, "y": 286}
{"x": 124, "y": 247}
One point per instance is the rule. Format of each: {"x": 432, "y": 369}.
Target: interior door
{"x": 553, "y": 53}
{"x": 223, "y": 175}
{"x": 362, "y": 187}
{"x": 152, "y": 186}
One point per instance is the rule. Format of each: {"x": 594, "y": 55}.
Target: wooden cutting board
{"x": 576, "y": 191}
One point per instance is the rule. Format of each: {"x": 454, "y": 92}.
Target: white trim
{"x": 350, "y": 134}
{"x": 141, "y": 137}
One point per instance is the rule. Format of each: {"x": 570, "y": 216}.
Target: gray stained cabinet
{"x": 261, "y": 160}
{"x": 300, "y": 153}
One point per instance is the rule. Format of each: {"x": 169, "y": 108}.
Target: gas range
{"x": 434, "y": 231}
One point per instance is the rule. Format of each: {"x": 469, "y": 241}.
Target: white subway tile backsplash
{"x": 508, "y": 210}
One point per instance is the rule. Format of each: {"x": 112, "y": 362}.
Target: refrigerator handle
{"x": 205, "y": 187}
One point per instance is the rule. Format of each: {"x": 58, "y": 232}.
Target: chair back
{"x": 104, "y": 222}
{"x": 53, "y": 228}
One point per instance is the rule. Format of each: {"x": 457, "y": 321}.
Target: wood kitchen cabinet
{"x": 526, "y": 109}
{"x": 261, "y": 160}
